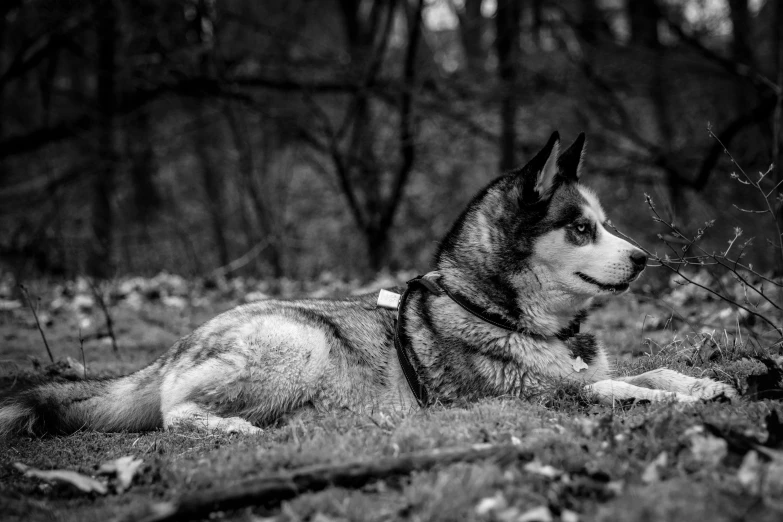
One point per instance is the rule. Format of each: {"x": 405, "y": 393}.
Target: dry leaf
{"x": 708, "y": 450}
{"x": 567, "y": 515}
{"x": 488, "y": 504}
{"x": 539, "y": 514}
{"x": 749, "y": 473}
{"x": 547, "y": 471}
{"x": 652, "y": 473}
{"x": 125, "y": 468}
{"x": 63, "y": 476}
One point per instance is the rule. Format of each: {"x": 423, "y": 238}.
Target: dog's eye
{"x": 581, "y": 228}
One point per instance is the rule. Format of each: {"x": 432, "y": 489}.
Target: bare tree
{"x": 373, "y": 189}
{"x": 205, "y": 28}
{"x": 507, "y": 24}
{"x": 471, "y": 30}
{"x": 105, "y": 19}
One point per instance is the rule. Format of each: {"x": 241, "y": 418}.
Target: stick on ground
{"x": 272, "y": 490}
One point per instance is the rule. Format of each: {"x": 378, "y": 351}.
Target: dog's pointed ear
{"x": 544, "y": 166}
{"x": 569, "y": 164}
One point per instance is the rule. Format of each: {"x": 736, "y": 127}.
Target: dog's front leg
{"x": 191, "y": 414}
{"x": 610, "y": 392}
{"x": 672, "y": 381}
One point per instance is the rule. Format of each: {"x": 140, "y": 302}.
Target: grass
{"x": 602, "y": 453}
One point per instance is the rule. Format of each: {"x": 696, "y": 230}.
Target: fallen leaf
{"x": 125, "y": 468}
{"x": 772, "y": 487}
{"x": 539, "y": 514}
{"x": 708, "y": 449}
{"x": 508, "y": 515}
{"x": 76, "y": 480}
{"x": 10, "y": 304}
{"x": 652, "y": 473}
{"x": 567, "y": 515}
{"x": 587, "y": 426}
{"x": 489, "y": 504}
{"x": 615, "y": 487}
{"x": 547, "y": 471}
{"x": 749, "y": 473}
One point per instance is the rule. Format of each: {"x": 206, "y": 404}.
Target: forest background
{"x": 293, "y": 138}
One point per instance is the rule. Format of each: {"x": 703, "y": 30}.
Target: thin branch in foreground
{"x": 81, "y": 348}
{"x": 107, "y": 316}
{"x": 273, "y": 489}
{"x": 37, "y": 322}
{"x": 676, "y": 269}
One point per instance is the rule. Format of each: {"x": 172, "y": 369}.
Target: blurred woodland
{"x": 288, "y": 138}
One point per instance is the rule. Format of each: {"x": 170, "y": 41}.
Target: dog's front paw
{"x": 709, "y": 389}
{"x": 237, "y": 425}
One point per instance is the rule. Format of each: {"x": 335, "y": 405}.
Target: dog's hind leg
{"x": 611, "y": 392}
{"x": 672, "y": 381}
{"x": 191, "y": 414}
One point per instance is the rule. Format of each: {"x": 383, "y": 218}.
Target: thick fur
{"x": 530, "y": 247}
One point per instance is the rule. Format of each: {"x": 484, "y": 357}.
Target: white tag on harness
{"x": 389, "y": 300}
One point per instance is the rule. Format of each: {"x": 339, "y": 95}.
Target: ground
{"x": 631, "y": 462}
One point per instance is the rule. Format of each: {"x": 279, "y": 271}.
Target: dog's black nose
{"x": 639, "y": 259}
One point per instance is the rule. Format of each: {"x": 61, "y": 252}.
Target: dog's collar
{"x": 430, "y": 283}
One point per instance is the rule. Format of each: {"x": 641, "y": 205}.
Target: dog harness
{"x": 429, "y": 282}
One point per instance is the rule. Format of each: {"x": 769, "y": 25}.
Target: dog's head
{"x": 538, "y": 226}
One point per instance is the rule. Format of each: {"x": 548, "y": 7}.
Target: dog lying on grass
{"x": 499, "y": 316}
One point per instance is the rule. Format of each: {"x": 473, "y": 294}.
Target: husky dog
{"x": 499, "y": 316}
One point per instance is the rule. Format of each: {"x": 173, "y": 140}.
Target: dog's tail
{"x": 130, "y": 403}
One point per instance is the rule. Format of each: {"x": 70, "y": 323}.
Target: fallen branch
{"x": 274, "y": 489}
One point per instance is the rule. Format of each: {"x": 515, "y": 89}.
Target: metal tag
{"x": 389, "y": 300}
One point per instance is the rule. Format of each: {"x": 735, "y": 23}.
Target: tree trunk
{"x": 212, "y": 183}
{"x": 507, "y": 48}
{"x": 471, "y": 27}
{"x": 210, "y": 177}
{"x": 264, "y": 214}
{"x": 99, "y": 261}
{"x": 146, "y": 198}
{"x": 644, "y": 15}
{"x": 741, "y": 51}
{"x": 777, "y": 124}
{"x": 592, "y": 24}
{"x": 362, "y": 177}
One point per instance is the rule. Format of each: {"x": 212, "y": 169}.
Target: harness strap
{"x": 402, "y": 342}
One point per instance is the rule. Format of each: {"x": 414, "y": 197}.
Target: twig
{"x": 81, "y": 348}
{"x": 241, "y": 260}
{"x": 273, "y": 489}
{"x": 107, "y": 315}
{"x": 676, "y": 270}
{"x": 37, "y": 322}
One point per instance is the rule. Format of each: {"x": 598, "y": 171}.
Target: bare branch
{"x": 37, "y": 322}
